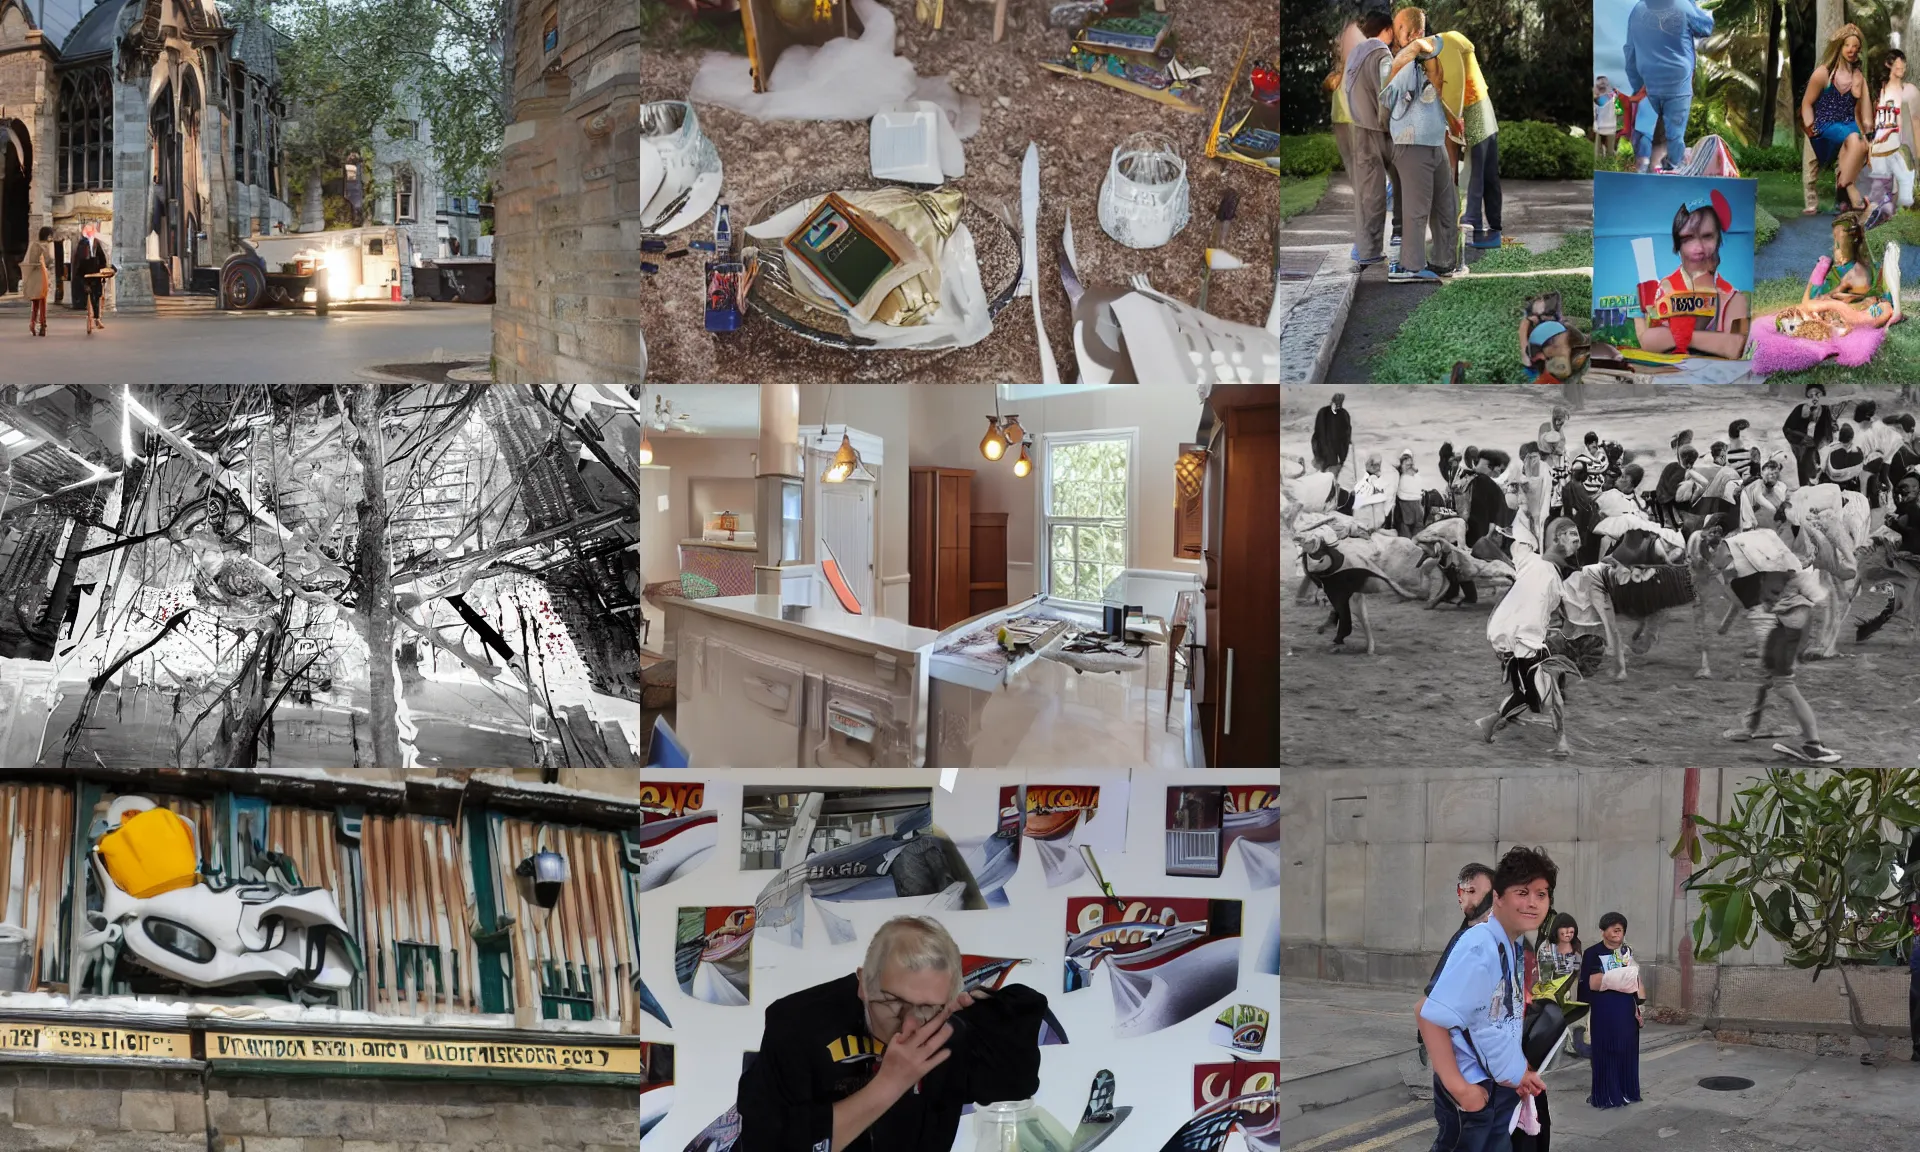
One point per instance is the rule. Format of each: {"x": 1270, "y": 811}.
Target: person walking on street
{"x": 89, "y": 262}
{"x": 36, "y": 278}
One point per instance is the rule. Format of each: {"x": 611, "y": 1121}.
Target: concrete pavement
{"x": 1352, "y": 1082}
{"x": 262, "y": 347}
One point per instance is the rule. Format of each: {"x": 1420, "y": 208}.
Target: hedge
{"x": 1532, "y": 150}
{"x": 1304, "y": 156}
{"x": 1755, "y": 158}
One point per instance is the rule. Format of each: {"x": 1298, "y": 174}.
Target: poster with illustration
{"x": 651, "y": 1006}
{"x": 1268, "y": 960}
{"x": 1204, "y": 823}
{"x": 713, "y": 954}
{"x": 1242, "y": 1027}
{"x": 724, "y": 1132}
{"x": 656, "y": 1085}
{"x": 1166, "y": 958}
{"x": 1240, "y": 1095}
{"x": 1066, "y": 823}
{"x": 845, "y": 844}
{"x": 676, "y": 836}
{"x": 1673, "y": 272}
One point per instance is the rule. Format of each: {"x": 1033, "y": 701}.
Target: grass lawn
{"x": 1779, "y": 193}
{"x": 1297, "y": 196}
{"x": 1478, "y": 320}
{"x": 1575, "y": 251}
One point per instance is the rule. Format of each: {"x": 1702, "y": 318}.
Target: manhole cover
{"x": 1301, "y": 265}
{"x": 1726, "y": 1083}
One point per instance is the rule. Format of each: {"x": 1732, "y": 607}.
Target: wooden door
{"x": 1248, "y": 647}
{"x": 922, "y": 553}
{"x": 955, "y": 518}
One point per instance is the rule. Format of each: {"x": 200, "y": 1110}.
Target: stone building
{"x": 411, "y": 195}
{"x": 154, "y": 119}
{"x": 567, "y": 243}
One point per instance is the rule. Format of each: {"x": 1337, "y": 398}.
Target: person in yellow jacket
{"x": 1463, "y": 89}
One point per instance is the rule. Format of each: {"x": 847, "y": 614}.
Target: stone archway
{"x": 16, "y": 202}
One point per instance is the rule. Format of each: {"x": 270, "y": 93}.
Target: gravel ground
{"x": 1076, "y": 123}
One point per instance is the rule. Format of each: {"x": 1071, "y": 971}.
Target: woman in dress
{"x": 1609, "y": 981}
{"x": 36, "y": 274}
{"x": 1834, "y": 108}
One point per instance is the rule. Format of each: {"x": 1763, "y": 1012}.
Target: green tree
{"x": 1824, "y": 865}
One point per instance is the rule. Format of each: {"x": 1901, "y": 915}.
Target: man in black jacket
{"x": 1332, "y": 435}
{"x": 884, "y": 1059}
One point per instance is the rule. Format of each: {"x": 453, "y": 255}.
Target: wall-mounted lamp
{"x": 1190, "y": 469}
{"x": 646, "y": 448}
{"x": 1024, "y": 465}
{"x": 545, "y": 873}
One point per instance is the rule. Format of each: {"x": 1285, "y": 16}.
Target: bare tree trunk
{"x": 373, "y": 564}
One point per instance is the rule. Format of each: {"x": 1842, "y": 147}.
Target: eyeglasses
{"x": 896, "y": 1006}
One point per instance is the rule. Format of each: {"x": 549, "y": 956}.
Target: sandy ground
{"x": 1435, "y": 671}
{"x": 1076, "y": 123}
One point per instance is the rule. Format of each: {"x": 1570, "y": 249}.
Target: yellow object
{"x": 150, "y": 853}
{"x": 1645, "y": 357}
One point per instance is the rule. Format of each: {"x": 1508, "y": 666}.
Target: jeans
{"x": 1483, "y": 187}
{"x": 1674, "y": 110}
{"x": 1482, "y": 1131}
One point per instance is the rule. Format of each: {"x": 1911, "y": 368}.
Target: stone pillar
{"x": 126, "y": 234}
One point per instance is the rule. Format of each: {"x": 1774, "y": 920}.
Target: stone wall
{"x": 1372, "y": 856}
{"x": 126, "y": 1110}
{"x": 566, "y": 228}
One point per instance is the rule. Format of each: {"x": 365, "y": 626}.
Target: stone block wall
{"x": 1373, "y": 854}
{"x": 566, "y": 227}
{"x": 126, "y": 1110}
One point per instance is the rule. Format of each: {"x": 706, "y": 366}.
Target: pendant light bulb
{"x": 993, "y": 445}
{"x": 844, "y": 462}
{"x": 1024, "y": 464}
{"x": 646, "y": 448}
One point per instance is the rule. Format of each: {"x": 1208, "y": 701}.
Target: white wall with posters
{"x": 1151, "y": 1067}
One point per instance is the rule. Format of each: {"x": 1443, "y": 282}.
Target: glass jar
{"x": 998, "y": 1125}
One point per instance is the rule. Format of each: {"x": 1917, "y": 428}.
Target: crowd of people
{"x": 1586, "y": 535}
{"x": 1498, "y": 1005}
{"x": 1411, "y": 111}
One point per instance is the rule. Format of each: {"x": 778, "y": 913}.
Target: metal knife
{"x": 1030, "y": 255}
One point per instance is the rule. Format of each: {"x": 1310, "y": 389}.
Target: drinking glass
{"x": 1143, "y": 203}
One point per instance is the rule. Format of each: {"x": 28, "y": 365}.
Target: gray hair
{"x": 916, "y": 944}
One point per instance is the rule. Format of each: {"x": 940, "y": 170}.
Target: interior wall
{"x": 700, "y": 456}
{"x": 949, "y": 419}
{"x": 710, "y": 494}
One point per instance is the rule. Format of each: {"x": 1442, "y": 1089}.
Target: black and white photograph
{"x": 1669, "y": 575}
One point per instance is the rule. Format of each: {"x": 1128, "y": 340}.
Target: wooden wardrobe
{"x": 940, "y": 546}
{"x": 1237, "y": 675}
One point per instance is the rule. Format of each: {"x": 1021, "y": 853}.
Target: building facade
{"x": 567, "y": 243}
{"x": 152, "y": 119}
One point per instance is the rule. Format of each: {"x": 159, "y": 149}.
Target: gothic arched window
{"x": 86, "y": 130}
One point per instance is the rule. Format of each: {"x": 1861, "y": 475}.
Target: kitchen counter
{"x": 820, "y": 625}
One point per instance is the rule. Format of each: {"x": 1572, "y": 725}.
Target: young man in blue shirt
{"x": 1472, "y": 1019}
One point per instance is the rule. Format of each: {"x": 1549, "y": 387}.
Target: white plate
{"x": 706, "y": 190}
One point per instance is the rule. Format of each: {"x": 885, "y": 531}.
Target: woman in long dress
{"x": 36, "y": 274}
{"x": 1615, "y": 1017}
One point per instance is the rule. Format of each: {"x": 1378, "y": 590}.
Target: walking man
{"x": 1660, "y": 60}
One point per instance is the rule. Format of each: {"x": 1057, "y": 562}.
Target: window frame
{"x": 1043, "y": 553}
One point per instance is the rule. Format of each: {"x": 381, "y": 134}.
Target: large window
{"x": 1087, "y": 511}
{"x": 403, "y": 189}
{"x": 86, "y": 131}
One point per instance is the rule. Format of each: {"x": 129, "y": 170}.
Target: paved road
{"x": 265, "y": 348}
{"x": 1798, "y": 1101}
